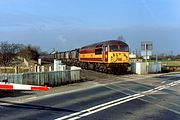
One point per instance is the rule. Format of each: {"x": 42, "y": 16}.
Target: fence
{"x": 54, "y": 78}
{"x": 13, "y": 70}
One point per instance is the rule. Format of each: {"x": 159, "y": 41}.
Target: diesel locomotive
{"x": 110, "y": 56}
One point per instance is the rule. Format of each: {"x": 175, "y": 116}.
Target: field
{"x": 171, "y": 63}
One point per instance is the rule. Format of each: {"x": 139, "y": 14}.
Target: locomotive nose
{"x": 119, "y": 57}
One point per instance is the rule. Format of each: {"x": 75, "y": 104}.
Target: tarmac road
{"x": 156, "y": 98}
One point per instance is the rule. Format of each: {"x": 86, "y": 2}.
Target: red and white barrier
{"x": 13, "y": 86}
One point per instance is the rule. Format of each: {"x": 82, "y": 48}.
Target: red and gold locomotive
{"x": 108, "y": 56}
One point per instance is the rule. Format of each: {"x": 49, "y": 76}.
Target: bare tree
{"x": 8, "y": 52}
{"x": 11, "y": 52}
{"x": 30, "y": 52}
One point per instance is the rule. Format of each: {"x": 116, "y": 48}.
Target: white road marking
{"x": 105, "y": 107}
{"x": 101, "y": 107}
{"x": 89, "y": 111}
{"x": 4, "y": 104}
{"x": 163, "y": 82}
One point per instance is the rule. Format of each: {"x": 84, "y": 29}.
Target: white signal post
{"x": 146, "y": 51}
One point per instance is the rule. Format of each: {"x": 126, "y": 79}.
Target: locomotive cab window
{"x": 98, "y": 51}
{"x": 119, "y": 48}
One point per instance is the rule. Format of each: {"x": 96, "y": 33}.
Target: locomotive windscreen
{"x": 119, "y": 48}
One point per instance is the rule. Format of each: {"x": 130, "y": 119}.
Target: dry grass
{"x": 171, "y": 63}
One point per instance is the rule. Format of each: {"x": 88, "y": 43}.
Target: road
{"x": 156, "y": 98}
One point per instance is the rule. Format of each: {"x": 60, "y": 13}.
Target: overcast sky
{"x": 70, "y": 24}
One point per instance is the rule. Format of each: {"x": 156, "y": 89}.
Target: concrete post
{"x": 16, "y": 69}
{"x": 38, "y": 68}
{"x": 35, "y": 68}
{"x": 31, "y": 68}
{"x": 42, "y": 68}
{"x": 50, "y": 68}
{"x": 39, "y": 61}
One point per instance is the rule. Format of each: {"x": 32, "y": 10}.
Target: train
{"x": 110, "y": 56}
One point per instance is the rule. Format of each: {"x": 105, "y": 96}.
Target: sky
{"x": 68, "y": 24}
